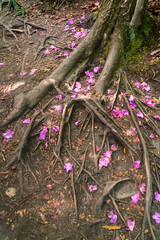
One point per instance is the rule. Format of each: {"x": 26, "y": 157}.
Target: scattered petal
{"x": 32, "y": 71}
{"x": 47, "y": 51}
{"x": 96, "y": 69}
{"x": 113, "y": 147}
{"x": 8, "y": 134}
{"x": 103, "y": 162}
{"x": 135, "y": 198}
{"x": 92, "y": 188}
{"x": 58, "y": 107}
{"x": 108, "y": 154}
{"x": 151, "y": 136}
{"x": 1, "y": 64}
{"x": 156, "y": 217}
{"x": 43, "y": 134}
{"x": 131, "y": 225}
{"x": 157, "y": 196}
{"x": 150, "y": 103}
{"x": 109, "y": 91}
{"x": 137, "y": 84}
{"x": 56, "y": 128}
{"x": 157, "y": 117}
{"x": 50, "y": 186}
{"x": 73, "y": 44}
{"x": 77, "y": 123}
{"x": 87, "y": 89}
{"x": 71, "y": 21}
{"x": 113, "y": 217}
{"x": 142, "y": 188}
{"x": 22, "y": 74}
{"x": 140, "y": 114}
{"x": 74, "y": 95}
{"x": 54, "y": 47}
{"x": 68, "y": 166}
{"x": 137, "y": 164}
{"x": 28, "y": 120}
{"x": 77, "y": 34}
{"x": 83, "y": 17}
{"x": 59, "y": 97}
{"x": 66, "y": 53}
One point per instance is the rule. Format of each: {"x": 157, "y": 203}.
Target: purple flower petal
{"x": 157, "y": 117}
{"x": 150, "y": 103}
{"x": 135, "y": 198}
{"x": 137, "y": 84}
{"x": 77, "y": 34}
{"x": 96, "y": 69}
{"x": 113, "y": 147}
{"x": 109, "y": 91}
{"x": 22, "y": 74}
{"x": 73, "y": 44}
{"x": 68, "y": 166}
{"x": 107, "y": 154}
{"x": 74, "y": 95}
{"x": 32, "y": 71}
{"x": 113, "y": 217}
{"x": 103, "y": 162}
{"x": 131, "y": 224}
{"x": 1, "y": 64}
{"x": 28, "y": 120}
{"x": 8, "y": 134}
{"x": 140, "y": 114}
{"x": 43, "y": 134}
{"x": 77, "y": 123}
{"x": 66, "y": 53}
{"x": 59, "y": 97}
{"x": 71, "y": 21}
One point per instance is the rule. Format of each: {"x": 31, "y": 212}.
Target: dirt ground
{"x": 49, "y": 203}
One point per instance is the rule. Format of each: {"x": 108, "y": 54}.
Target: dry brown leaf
{"x": 112, "y": 227}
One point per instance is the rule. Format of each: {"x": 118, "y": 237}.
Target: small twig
{"x": 117, "y": 209}
{"x": 93, "y": 143}
{"x": 74, "y": 194}
{"x": 41, "y": 47}
{"x": 24, "y": 60}
{"x": 82, "y": 166}
{"x": 32, "y": 24}
{"x": 9, "y": 30}
{"x": 117, "y": 90}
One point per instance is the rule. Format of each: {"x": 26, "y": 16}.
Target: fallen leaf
{"x": 11, "y": 192}
{"x": 112, "y": 227}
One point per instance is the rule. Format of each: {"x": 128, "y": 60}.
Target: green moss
{"x": 139, "y": 42}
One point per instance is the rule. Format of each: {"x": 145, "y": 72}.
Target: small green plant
{"x": 13, "y": 4}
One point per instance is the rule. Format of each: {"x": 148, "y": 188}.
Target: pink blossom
{"x": 145, "y": 87}
{"x": 56, "y": 128}
{"x": 140, "y": 123}
{"x": 97, "y": 3}
{"x": 66, "y": 53}
{"x": 58, "y": 107}
{"x": 32, "y": 71}
{"x": 92, "y": 188}
{"x": 109, "y": 91}
{"x": 157, "y": 196}
{"x": 135, "y": 198}
{"x": 113, "y": 217}
{"x": 117, "y": 113}
{"x": 47, "y": 51}
{"x": 77, "y": 34}
{"x": 73, "y": 29}
{"x": 131, "y": 98}
{"x": 131, "y": 225}
{"x": 96, "y": 69}
{"x": 137, "y": 164}
{"x": 22, "y": 74}
{"x": 97, "y": 148}
{"x": 103, "y": 162}
{"x": 66, "y": 28}
{"x": 84, "y": 33}
{"x": 140, "y": 114}
{"x": 77, "y": 87}
{"x": 150, "y": 103}
{"x": 90, "y": 81}
{"x": 58, "y": 56}
{"x": 113, "y": 147}
{"x": 54, "y": 47}
{"x": 151, "y": 136}
{"x": 156, "y": 217}
{"x": 83, "y": 17}
{"x": 108, "y": 154}
{"x": 73, "y": 44}
{"x": 137, "y": 84}
{"x": 1, "y": 64}
{"x": 28, "y": 120}
{"x": 59, "y": 97}
{"x": 8, "y": 134}
{"x": 68, "y": 166}
{"x": 50, "y": 186}
{"x": 71, "y": 21}
{"x": 130, "y": 132}
{"x": 142, "y": 188}
{"x": 132, "y": 105}
{"x": 157, "y": 117}
{"x": 43, "y": 134}
{"x": 87, "y": 89}
{"x": 77, "y": 123}
{"x": 89, "y": 74}
{"x": 74, "y": 95}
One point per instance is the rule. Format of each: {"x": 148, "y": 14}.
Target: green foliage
{"x": 13, "y": 4}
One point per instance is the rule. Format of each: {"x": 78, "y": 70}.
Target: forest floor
{"x": 38, "y": 199}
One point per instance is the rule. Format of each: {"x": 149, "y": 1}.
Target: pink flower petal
{"x": 157, "y": 117}
{"x": 113, "y": 147}
{"x": 137, "y": 84}
{"x": 113, "y": 217}
{"x": 8, "y": 134}
{"x": 43, "y": 134}
{"x": 32, "y": 71}
{"x": 77, "y": 123}
{"x": 131, "y": 225}
{"x": 109, "y": 91}
{"x": 56, "y": 128}
{"x": 151, "y": 136}
{"x": 58, "y": 107}
{"x": 103, "y": 162}
{"x": 47, "y": 51}
{"x": 73, "y": 44}
{"x": 71, "y": 21}
{"x": 59, "y": 97}
{"x": 140, "y": 114}
{"x": 22, "y": 74}
{"x": 135, "y": 198}
{"x": 96, "y": 69}
{"x": 28, "y": 120}
{"x": 137, "y": 164}
{"x": 108, "y": 154}
{"x": 156, "y": 217}
{"x": 1, "y": 64}
{"x": 157, "y": 196}
{"x": 74, "y": 95}
{"x": 92, "y": 188}
{"x": 68, "y": 166}
{"x": 142, "y": 188}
